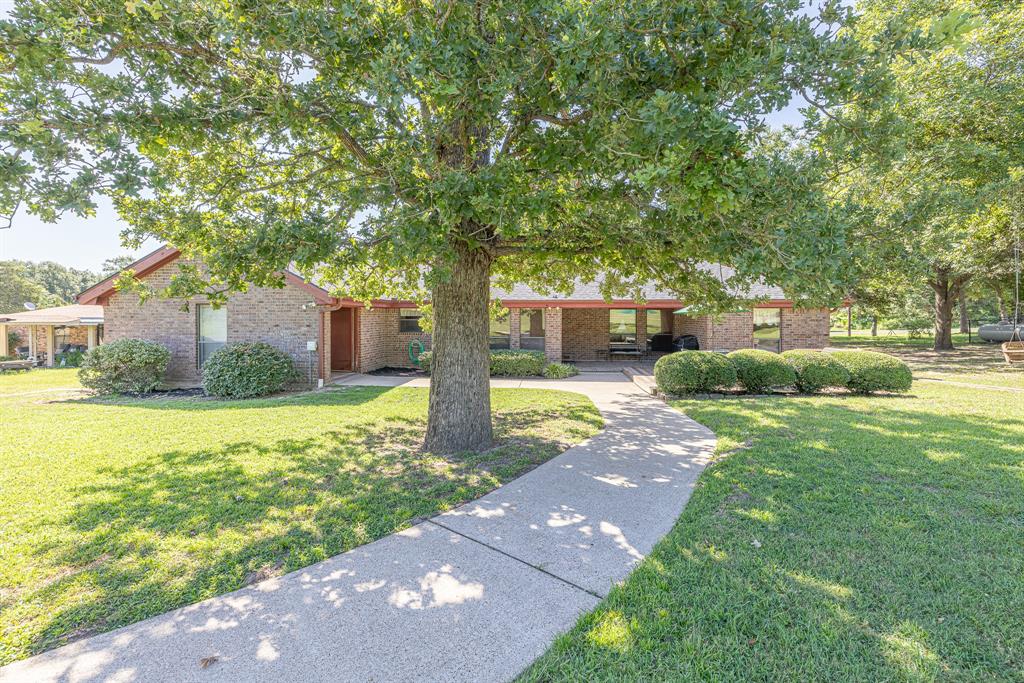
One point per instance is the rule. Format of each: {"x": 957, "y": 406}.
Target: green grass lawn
{"x": 898, "y": 339}
{"x": 837, "y": 539}
{"x": 38, "y": 380}
{"x": 117, "y": 510}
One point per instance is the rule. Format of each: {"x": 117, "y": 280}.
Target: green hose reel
{"x": 416, "y": 347}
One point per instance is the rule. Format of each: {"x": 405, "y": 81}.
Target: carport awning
{"x": 75, "y": 314}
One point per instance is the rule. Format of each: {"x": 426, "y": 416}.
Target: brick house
{"x": 326, "y": 334}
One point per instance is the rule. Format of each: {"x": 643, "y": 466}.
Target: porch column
{"x": 514, "y": 329}
{"x": 93, "y": 333}
{"x": 641, "y": 329}
{"x": 49, "y": 346}
{"x": 553, "y": 334}
{"x": 4, "y": 351}
{"x": 32, "y": 342}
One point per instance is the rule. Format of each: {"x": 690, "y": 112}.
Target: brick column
{"x": 514, "y": 331}
{"x": 553, "y": 334}
{"x": 641, "y": 329}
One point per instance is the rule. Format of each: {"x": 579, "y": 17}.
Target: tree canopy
{"x": 360, "y": 138}
{"x": 943, "y": 202}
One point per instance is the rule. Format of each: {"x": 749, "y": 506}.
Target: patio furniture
{"x": 1013, "y": 352}
{"x": 15, "y": 365}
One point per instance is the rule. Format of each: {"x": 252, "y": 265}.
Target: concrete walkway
{"x": 475, "y": 594}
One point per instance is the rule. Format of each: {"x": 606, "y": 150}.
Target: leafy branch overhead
{"x": 359, "y": 140}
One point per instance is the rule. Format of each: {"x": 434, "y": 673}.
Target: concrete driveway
{"x": 475, "y": 594}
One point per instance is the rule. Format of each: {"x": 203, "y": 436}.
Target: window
{"x": 409, "y": 320}
{"x": 212, "y": 330}
{"x": 658, "y": 321}
{"x": 767, "y": 324}
{"x": 531, "y": 329}
{"x": 622, "y": 326}
{"x": 499, "y": 329}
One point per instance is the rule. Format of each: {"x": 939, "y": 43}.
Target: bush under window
{"x": 560, "y": 371}
{"x": 689, "y": 372}
{"x": 125, "y": 366}
{"x": 505, "y": 363}
{"x": 758, "y": 371}
{"x": 816, "y": 370}
{"x": 247, "y": 370}
{"x": 871, "y": 371}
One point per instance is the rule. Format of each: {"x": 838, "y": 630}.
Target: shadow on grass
{"x": 839, "y": 541}
{"x": 186, "y": 525}
{"x": 354, "y": 395}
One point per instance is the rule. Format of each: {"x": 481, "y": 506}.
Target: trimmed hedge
{"x": 816, "y": 370}
{"x": 505, "y": 363}
{"x": 560, "y": 371}
{"x": 758, "y": 371}
{"x": 125, "y": 366}
{"x": 694, "y": 371}
{"x": 871, "y": 371}
{"x": 247, "y": 370}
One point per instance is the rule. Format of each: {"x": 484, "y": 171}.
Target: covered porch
{"x": 45, "y": 334}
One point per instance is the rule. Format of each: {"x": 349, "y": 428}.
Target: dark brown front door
{"x": 341, "y": 339}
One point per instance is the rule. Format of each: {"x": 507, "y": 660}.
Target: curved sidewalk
{"x": 474, "y": 594}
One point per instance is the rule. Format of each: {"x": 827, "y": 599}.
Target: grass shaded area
{"x": 117, "y": 510}
{"x": 841, "y": 539}
{"x": 974, "y": 364}
{"x": 896, "y": 340}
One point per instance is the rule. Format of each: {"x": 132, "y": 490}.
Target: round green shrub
{"x": 505, "y": 363}
{"x": 816, "y": 370}
{"x": 758, "y": 371}
{"x": 247, "y": 370}
{"x": 125, "y": 366}
{"x": 425, "y": 359}
{"x": 560, "y": 370}
{"x": 871, "y": 371}
{"x": 518, "y": 363}
{"x": 694, "y": 371}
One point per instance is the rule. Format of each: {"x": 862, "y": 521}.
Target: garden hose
{"x": 414, "y": 356}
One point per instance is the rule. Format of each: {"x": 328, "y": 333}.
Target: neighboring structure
{"x": 326, "y": 334}
{"x": 46, "y": 332}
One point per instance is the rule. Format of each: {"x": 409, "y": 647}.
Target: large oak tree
{"x": 945, "y": 198}
{"x": 422, "y": 148}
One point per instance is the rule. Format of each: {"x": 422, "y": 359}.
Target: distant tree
{"x": 943, "y": 197}
{"x": 60, "y": 281}
{"x": 17, "y": 289}
{"x": 116, "y": 264}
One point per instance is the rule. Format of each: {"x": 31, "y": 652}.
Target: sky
{"x": 87, "y": 242}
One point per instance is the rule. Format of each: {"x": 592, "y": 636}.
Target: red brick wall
{"x": 274, "y": 316}
{"x": 380, "y": 342}
{"x": 584, "y": 333}
{"x": 698, "y": 326}
{"x": 731, "y": 331}
{"x": 804, "y": 328}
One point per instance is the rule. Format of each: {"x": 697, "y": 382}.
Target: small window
{"x": 622, "y": 326}
{"x": 499, "y": 329}
{"x": 767, "y": 327}
{"x": 531, "y": 329}
{"x": 211, "y": 332}
{"x": 409, "y": 320}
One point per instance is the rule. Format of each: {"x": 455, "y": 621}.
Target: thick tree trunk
{"x": 965, "y": 321}
{"x": 945, "y": 296}
{"x": 874, "y": 326}
{"x": 459, "y": 417}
